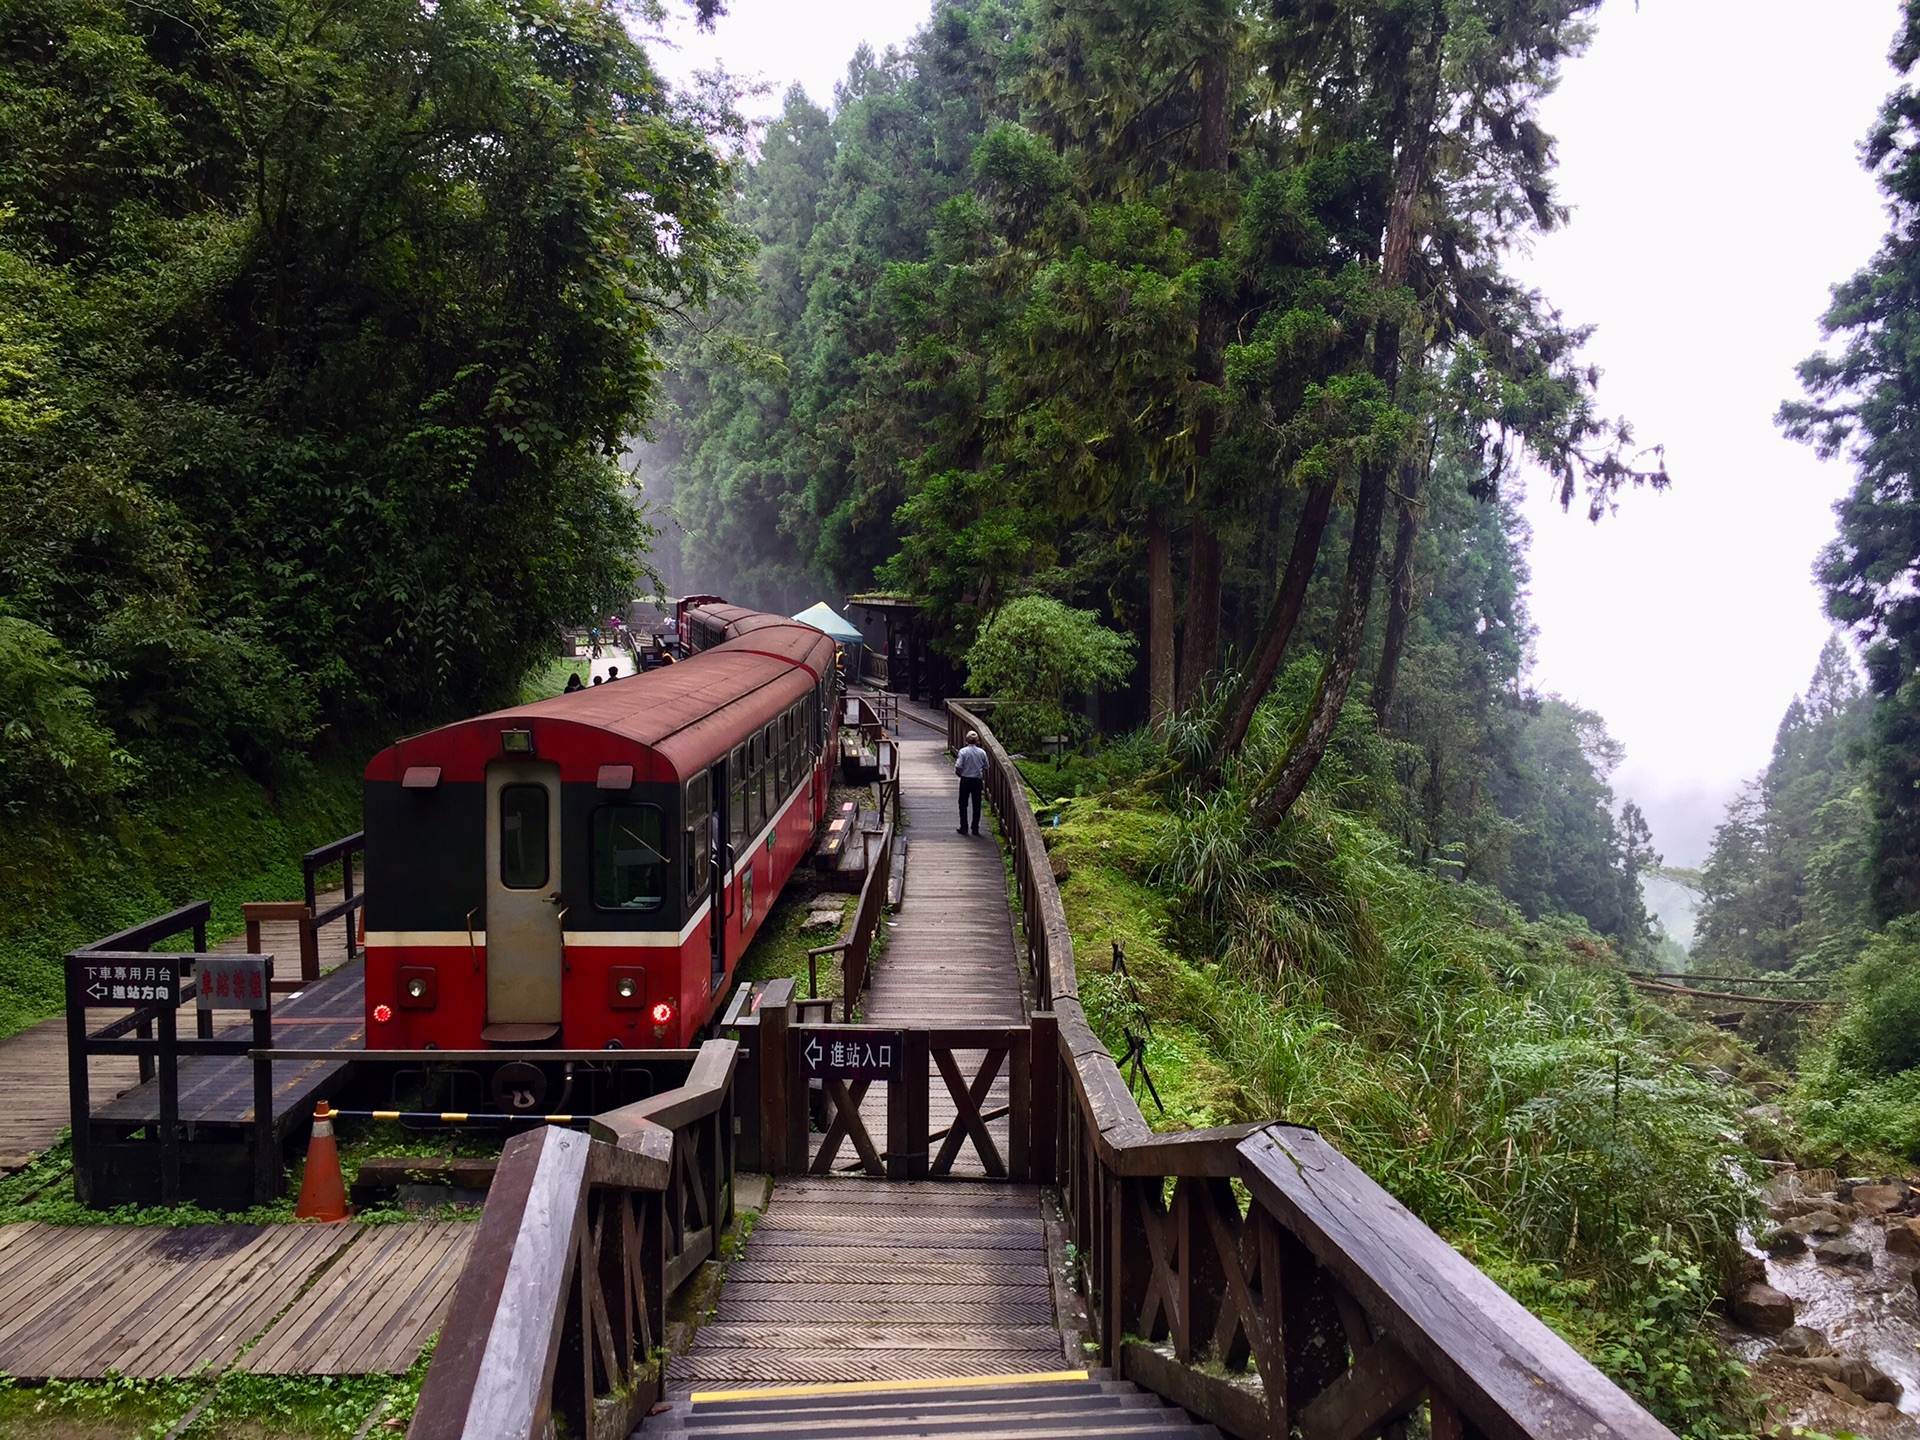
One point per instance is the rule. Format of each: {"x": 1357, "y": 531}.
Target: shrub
{"x": 1033, "y": 654}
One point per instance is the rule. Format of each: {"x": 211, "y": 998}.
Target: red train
{"x": 585, "y": 872}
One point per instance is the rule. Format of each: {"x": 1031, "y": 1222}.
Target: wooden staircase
{"x": 983, "y": 1409}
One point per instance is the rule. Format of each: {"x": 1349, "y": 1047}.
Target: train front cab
{"x": 562, "y": 895}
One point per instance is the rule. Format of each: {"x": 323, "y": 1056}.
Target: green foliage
{"x": 323, "y": 325}
{"x": 1484, "y": 1068}
{"x": 51, "y": 740}
{"x": 1034, "y": 653}
{"x": 224, "y": 838}
{"x": 1860, "y": 403}
{"x": 1859, "y": 1090}
{"x": 1785, "y": 887}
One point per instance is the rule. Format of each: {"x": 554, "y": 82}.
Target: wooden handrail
{"x": 1323, "y": 1307}
{"x": 561, "y": 1303}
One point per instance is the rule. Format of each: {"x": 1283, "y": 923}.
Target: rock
{"x": 1878, "y": 1199}
{"x": 1862, "y": 1377}
{"x": 1804, "y": 1341}
{"x": 1762, "y": 1308}
{"x": 1817, "y": 1222}
{"x": 1750, "y": 1270}
{"x": 1783, "y": 1242}
{"x": 1903, "y": 1237}
{"x": 1844, "y": 1251}
{"x": 1061, "y": 870}
{"x": 1844, "y": 1393}
{"x": 822, "y": 920}
{"x": 1792, "y": 1205}
{"x": 1767, "y": 1114}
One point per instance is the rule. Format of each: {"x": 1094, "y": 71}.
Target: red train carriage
{"x": 586, "y": 872}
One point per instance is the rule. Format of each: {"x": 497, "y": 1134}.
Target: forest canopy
{"x": 1193, "y": 317}
{"x": 321, "y": 330}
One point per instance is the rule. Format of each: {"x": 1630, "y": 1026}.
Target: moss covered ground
{"x": 1497, "y": 1076}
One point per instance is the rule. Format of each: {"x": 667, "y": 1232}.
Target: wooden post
{"x": 782, "y": 1101}
{"x": 1043, "y": 1095}
{"x": 1019, "y": 1105}
{"x": 907, "y": 1121}
{"x": 169, "y": 1107}
{"x": 79, "y": 1102}
{"x": 266, "y": 1143}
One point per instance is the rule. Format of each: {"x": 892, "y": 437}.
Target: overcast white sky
{"x": 1709, "y": 150}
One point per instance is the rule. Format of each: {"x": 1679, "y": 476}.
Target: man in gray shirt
{"x": 971, "y": 766}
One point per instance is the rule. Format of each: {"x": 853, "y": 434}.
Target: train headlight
{"x": 627, "y": 988}
{"x": 662, "y": 1013}
{"x": 417, "y": 988}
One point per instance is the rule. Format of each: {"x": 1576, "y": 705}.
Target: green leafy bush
{"x": 51, "y": 737}
{"x": 1033, "y": 654}
{"x": 1859, "y": 1089}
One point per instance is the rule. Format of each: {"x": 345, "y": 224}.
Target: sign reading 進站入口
{"x": 834, "y": 1053}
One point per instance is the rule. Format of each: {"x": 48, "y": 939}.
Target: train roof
{"x": 687, "y": 713}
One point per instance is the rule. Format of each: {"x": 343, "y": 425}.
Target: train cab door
{"x": 722, "y": 861}
{"x": 525, "y": 911}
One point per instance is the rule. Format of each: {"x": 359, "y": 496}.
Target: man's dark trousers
{"x": 970, "y": 790}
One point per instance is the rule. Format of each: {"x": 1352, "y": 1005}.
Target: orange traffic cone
{"x": 323, "y": 1194}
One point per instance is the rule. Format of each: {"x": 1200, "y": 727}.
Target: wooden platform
{"x": 79, "y": 1301}
{"x": 33, "y": 1063}
{"x": 848, "y": 1280}
{"x": 218, "y": 1090}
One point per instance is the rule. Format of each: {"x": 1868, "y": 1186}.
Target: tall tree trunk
{"x": 1200, "y": 647}
{"x": 1283, "y": 614}
{"x": 1286, "y": 781}
{"x": 1159, "y": 623}
{"x": 1200, "y": 641}
{"x": 1399, "y": 591}
{"x": 1283, "y": 784}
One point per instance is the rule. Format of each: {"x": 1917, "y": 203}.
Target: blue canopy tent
{"x": 823, "y": 617}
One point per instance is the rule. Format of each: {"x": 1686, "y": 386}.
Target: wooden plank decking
{"x": 78, "y": 1301}
{"x": 863, "y": 1280}
{"x": 847, "y": 1280}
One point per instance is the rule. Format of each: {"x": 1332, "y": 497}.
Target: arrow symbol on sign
{"x": 97, "y": 991}
{"x": 814, "y": 1052}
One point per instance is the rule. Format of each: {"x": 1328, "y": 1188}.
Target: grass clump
{"x": 1496, "y": 1075}
{"x": 1858, "y": 1096}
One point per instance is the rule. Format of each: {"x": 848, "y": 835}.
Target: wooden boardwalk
{"x": 950, "y": 956}
{"x": 33, "y": 1063}
{"x": 79, "y": 1301}
{"x": 867, "y": 1280}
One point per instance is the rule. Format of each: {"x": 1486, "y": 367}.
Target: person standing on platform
{"x": 971, "y": 766}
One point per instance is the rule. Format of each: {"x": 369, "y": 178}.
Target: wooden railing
{"x": 1318, "y": 1304}
{"x": 561, "y": 1306}
{"x": 856, "y": 949}
{"x": 347, "y": 910}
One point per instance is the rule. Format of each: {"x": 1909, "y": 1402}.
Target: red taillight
{"x": 662, "y": 1013}
{"x": 382, "y": 1014}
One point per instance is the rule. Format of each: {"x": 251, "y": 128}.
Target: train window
{"x": 737, "y": 784}
{"x": 769, "y": 776}
{"x": 796, "y": 748}
{"x": 696, "y": 837}
{"x": 786, "y": 751}
{"x": 629, "y": 870}
{"x": 523, "y": 836}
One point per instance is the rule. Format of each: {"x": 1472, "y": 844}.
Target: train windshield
{"x": 629, "y": 870}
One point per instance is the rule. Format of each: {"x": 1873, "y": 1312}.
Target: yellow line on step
{"x": 868, "y": 1387}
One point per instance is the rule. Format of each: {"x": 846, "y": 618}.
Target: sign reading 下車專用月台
{"x": 829, "y": 1053}
{"x": 149, "y": 980}
{"x": 242, "y": 983}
